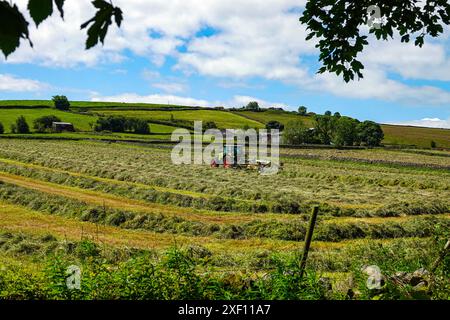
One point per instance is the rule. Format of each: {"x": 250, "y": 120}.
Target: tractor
{"x": 235, "y": 156}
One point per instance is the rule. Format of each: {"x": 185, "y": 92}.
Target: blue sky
{"x": 212, "y": 53}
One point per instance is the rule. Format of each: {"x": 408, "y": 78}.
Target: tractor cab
{"x": 230, "y": 157}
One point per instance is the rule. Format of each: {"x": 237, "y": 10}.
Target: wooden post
{"x": 441, "y": 256}
{"x": 309, "y": 234}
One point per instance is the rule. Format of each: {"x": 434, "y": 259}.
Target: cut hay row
{"x": 348, "y": 189}
{"x": 76, "y": 204}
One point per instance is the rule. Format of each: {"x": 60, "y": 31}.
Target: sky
{"x": 225, "y": 53}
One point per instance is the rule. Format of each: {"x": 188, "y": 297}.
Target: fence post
{"x": 441, "y": 256}
{"x": 309, "y": 234}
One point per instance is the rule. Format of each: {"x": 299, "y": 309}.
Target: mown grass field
{"x": 120, "y": 210}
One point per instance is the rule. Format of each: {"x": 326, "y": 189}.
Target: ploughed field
{"x": 126, "y": 205}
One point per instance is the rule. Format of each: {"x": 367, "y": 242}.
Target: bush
{"x": 370, "y": 133}
{"x": 135, "y": 125}
{"x": 253, "y": 106}
{"x": 210, "y": 125}
{"x": 345, "y": 133}
{"x": 296, "y": 133}
{"x": 302, "y": 110}
{"x": 433, "y": 144}
{"x": 2, "y": 130}
{"x": 44, "y": 123}
{"x": 121, "y": 124}
{"x": 61, "y": 102}
{"x": 274, "y": 125}
{"x": 20, "y": 126}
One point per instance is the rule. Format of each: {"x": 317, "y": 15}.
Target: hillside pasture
{"x": 85, "y": 105}
{"x": 419, "y": 136}
{"x": 223, "y": 119}
{"x": 275, "y": 115}
{"x": 80, "y": 122}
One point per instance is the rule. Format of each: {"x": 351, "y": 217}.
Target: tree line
{"x": 333, "y": 129}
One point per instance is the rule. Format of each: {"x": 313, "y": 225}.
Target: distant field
{"x": 221, "y": 118}
{"x": 81, "y": 122}
{"x": 416, "y": 136}
{"x": 396, "y": 135}
{"x": 280, "y": 116}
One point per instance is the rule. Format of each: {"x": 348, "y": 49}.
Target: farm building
{"x": 62, "y": 126}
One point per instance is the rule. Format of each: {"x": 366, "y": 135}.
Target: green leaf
{"x": 101, "y": 22}
{"x": 118, "y": 16}
{"x": 60, "y": 5}
{"x": 13, "y": 27}
{"x": 40, "y": 10}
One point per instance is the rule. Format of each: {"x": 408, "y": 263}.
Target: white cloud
{"x": 239, "y": 101}
{"x": 431, "y": 62}
{"x": 376, "y": 85}
{"x": 153, "y": 98}
{"x": 253, "y": 39}
{"x": 170, "y": 87}
{"x": 426, "y": 122}
{"x": 11, "y": 83}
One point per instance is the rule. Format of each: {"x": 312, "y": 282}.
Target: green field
{"x": 80, "y": 122}
{"x": 274, "y": 115}
{"x": 394, "y": 134}
{"x": 222, "y": 119}
{"x": 141, "y": 227}
{"x": 84, "y": 104}
{"x": 418, "y": 136}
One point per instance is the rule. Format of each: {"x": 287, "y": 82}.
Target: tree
{"x": 302, "y": 110}
{"x": 20, "y": 126}
{"x": 121, "y": 124}
{"x": 433, "y": 144}
{"x": 337, "y": 27}
{"x": 274, "y": 125}
{"x": 210, "y": 125}
{"x": 295, "y": 132}
{"x": 14, "y": 26}
{"x": 252, "y": 106}
{"x": 324, "y": 127}
{"x": 44, "y": 123}
{"x": 110, "y": 123}
{"x": 2, "y": 129}
{"x": 370, "y": 133}
{"x": 345, "y": 131}
{"x": 337, "y": 115}
{"x": 139, "y": 126}
{"x": 61, "y": 102}
{"x": 328, "y": 113}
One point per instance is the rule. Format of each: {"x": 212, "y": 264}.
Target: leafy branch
{"x": 14, "y": 26}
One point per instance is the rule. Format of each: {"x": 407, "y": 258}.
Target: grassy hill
{"x": 9, "y": 116}
{"x": 223, "y": 119}
{"x": 277, "y": 115}
{"x": 419, "y": 136}
{"x": 86, "y": 104}
{"x": 168, "y": 117}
